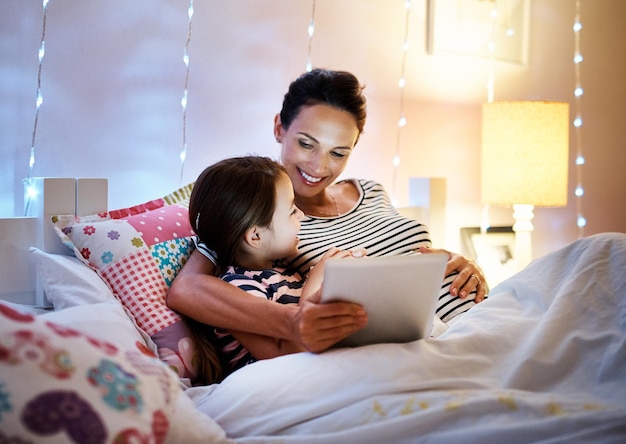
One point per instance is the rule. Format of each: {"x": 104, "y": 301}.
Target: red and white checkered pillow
{"x": 138, "y": 251}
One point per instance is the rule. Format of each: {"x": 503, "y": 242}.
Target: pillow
{"x": 138, "y": 251}
{"x": 68, "y": 282}
{"x": 59, "y": 384}
{"x": 107, "y": 321}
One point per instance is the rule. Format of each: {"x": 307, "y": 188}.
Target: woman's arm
{"x": 266, "y": 347}
{"x": 312, "y": 326}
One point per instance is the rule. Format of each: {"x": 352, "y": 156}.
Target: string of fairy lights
{"x": 491, "y": 48}
{"x": 310, "y": 32}
{"x": 28, "y": 181}
{"x": 402, "y": 121}
{"x": 490, "y": 86}
{"x": 30, "y": 190}
{"x": 578, "y": 93}
{"x": 579, "y": 191}
{"x": 183, "y": 101}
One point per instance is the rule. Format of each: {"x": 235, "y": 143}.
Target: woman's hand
{"x": 319, "y": 326}
{"x": 469, "y": 276}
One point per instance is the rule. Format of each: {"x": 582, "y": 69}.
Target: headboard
{"x": 48, "y": 197}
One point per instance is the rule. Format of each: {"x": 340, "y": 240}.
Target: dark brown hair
{"x": 339, "y": 89}
{"x": 228, "y": 198}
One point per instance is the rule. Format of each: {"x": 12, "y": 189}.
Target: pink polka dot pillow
{"x": 138, "y": 251}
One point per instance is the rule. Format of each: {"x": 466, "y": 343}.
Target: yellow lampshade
{"x": 525, "y": 153}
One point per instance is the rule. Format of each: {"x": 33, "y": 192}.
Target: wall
{"x": 113, "y": 78}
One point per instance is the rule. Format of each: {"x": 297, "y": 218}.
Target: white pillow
{"x": 67, "y": 281}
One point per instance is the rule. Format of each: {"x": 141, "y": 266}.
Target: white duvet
{"x": 543, "y": 359}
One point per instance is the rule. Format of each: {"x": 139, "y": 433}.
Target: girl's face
{"x": 282, "y": 235}
{"x": 316, "y": 147}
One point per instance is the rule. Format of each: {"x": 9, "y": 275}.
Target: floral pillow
{"x": 138, "y": 251}
{"x": 56, "y": 382}
{"x": 63, "y": 379}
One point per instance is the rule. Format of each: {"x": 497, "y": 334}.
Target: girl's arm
{"x": 315, "y": 278}
{"x": 264, "y": 347}
{"x": 312, "y": 326}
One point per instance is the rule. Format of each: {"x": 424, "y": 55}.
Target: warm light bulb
{"x": 31, "y": 192}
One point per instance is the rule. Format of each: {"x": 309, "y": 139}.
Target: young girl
{"x": 243, "y": 209}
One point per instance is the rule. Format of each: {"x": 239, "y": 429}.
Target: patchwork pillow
{"x": 138, "y": 251}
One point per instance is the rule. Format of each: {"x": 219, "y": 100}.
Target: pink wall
{"x": 113, "y": 78}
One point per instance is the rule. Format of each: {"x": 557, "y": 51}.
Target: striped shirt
{"x": 276, "y": 285}
{"x": 373, "y": 223}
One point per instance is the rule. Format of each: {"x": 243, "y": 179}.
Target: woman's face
{"x": 316, "y": 147}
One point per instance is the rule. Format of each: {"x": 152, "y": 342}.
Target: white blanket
{"x": 543, "y": 359}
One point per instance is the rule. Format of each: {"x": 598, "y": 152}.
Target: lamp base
{"x": 523, "y": 227}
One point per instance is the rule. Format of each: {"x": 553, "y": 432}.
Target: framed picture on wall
{"x": 493, "y": 251}
{"x": 470, "y": 28}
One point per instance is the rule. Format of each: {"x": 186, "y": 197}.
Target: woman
{"x": 319, "y": 125}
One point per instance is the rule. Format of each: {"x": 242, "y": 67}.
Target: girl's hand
{"x": 469, "y": 278}
{"x": 316, "y": 273}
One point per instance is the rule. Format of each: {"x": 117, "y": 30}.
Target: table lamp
{"x": 524, "y": 162}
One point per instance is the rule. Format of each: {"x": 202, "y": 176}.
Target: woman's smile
{"x": 311, "y": 179}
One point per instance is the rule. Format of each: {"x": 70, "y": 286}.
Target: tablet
{"x": 399, "y": 294}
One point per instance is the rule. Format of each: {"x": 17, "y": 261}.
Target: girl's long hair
{"x": 228, "y": 198}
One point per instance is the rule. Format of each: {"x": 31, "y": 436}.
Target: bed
{"x": 89, "y": 351}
